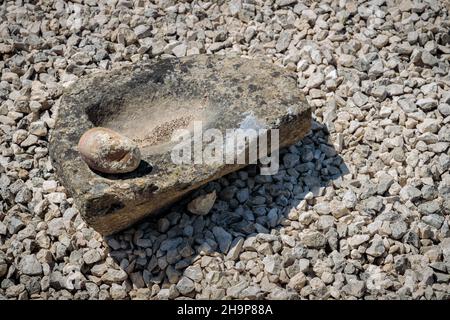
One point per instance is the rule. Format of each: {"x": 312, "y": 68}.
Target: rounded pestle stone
{"x": 107, "y": 151}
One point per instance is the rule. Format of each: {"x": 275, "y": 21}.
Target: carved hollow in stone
{"x": 146, "y": 103}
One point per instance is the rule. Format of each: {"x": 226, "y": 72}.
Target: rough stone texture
{"x": 220, "y": 91}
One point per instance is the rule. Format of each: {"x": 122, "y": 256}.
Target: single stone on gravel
{"x": 444, "y": 109}
{"x": 38, "y": 128}
{"x": 290, "y": 160}
{"x": 49, "y": 186}
{"x": 223, "y": 238}
{"x": 360, "y": 99}
{"x": 194, "y": 273}
{"x": 117, "y": 291}
{"x": 313, "y": 239}
{"x": 426, "y": 104}
{"x": 113, "y": 275}
{"x": 433, "y": 220}
{"x": 235, "y": 249}
{"x": 180, "y": 50}
{"x": 376, "y": 248}
{"x": 3, "y": 268}
{"x": 322, "y": 208}
{"x": 394, "y": 89}
{"x": 410, "y": 193}
{"x": 297, "y": 282}
{"x": 428, "y": 125}
{"x": 202, "y": 204}
{"x": 91, "y": 256}
{"x": 358, "y": 239}
{"x": 429, "y": 207}
{"x": 349, "y": 199}
{"x": 346, "y": 60}
{"x": 428, "y": 58}
{"x": 315, "y": 80}
{"x": 273, "y": 264}
{"x": 283, "y": 41}
{"x": 235, "y": 291}
{"x": 185, "y": 285}
{"x": 30, "y": 265}
{"x": 380, "y": 41}
{"x": 56, "y": 227}
{"x": 354, "y": 288}
{"x": 142, "y": 31}
{"x": 3, "y": 229}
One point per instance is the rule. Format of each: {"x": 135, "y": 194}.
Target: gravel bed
{"x": 360, "y": 208}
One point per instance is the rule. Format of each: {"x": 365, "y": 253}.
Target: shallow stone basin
{"x": 147, "y": 103}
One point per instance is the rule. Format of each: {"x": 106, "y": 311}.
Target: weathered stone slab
{"x": 139, "y": 101}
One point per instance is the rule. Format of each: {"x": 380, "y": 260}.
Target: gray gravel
{"x": 359, "y": 209}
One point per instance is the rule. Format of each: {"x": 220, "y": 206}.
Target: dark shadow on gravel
{"x": 247, "y": 204}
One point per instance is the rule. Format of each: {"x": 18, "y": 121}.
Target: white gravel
{"x": 359, "y": 210}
